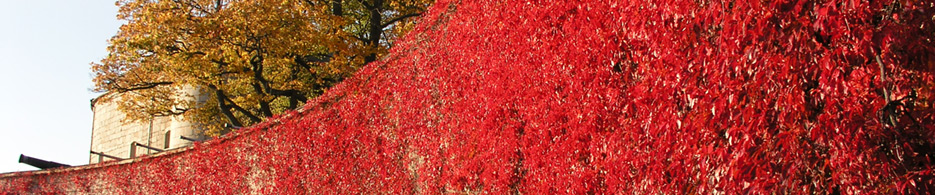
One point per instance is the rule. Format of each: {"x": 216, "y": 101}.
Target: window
{"x": 168, "y": 137}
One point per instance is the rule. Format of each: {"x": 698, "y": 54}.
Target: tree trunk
{"x": 225, "y": 109}
{"x": 336, "y": 8}
{"x": 376, "y": 29}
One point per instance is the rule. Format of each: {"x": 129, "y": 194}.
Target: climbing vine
{"x": 640, "y": 96}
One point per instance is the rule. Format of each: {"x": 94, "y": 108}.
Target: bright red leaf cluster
{"x": 639, "y": 96}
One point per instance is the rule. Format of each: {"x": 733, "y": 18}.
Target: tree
{"x": 251, "y": 59}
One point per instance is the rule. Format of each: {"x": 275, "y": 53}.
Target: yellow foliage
{"x": 249, "y": 59}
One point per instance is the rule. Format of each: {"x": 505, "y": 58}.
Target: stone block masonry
{"x": 112, "y": 134}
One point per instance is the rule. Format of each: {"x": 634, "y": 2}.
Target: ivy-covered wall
{"x": 632, "y": 97}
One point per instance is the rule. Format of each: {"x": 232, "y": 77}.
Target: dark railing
{"x": 135, "y": 144}
{"x": 101, "y": 155}
{"x": 190, "y": 139}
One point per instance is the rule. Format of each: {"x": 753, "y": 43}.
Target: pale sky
{"x": 45, "y": 79}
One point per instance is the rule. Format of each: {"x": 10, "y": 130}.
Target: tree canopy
{"x": 250, "y": 59}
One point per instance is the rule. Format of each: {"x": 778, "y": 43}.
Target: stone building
{"x": 114, "y": 138}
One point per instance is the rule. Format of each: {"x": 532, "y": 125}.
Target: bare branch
{"x": 142, "y": 86}
{"x": 402, "y": 17}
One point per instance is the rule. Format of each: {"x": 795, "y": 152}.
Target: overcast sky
{"x": 45, "y": 80}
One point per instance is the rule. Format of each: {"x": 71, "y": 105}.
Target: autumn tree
{"x": 249, "y": 59}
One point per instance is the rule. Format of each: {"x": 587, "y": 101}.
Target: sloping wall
{"x": 616, "y": 97}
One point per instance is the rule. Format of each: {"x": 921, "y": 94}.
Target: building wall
{"x": 113, "y": 135}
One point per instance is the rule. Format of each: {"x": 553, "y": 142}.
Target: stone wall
{"x": 113, "y": 135}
